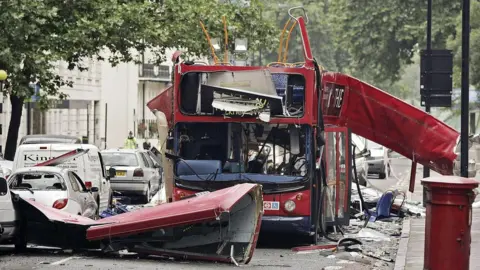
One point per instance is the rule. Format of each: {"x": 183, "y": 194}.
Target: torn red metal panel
{"x": 387, "y": 120}
{"x": 220, "y": 226}
{"x": 164, "y": 103}
{"x": 314, "y": 247}
{"x": 413, "y": 173}
{"x": 56, "y": 215}
{"x": 62, "y": 158}
{"x": 46, "y": 226}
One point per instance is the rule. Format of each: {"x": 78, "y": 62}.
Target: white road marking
{"x": 64, "y": 260}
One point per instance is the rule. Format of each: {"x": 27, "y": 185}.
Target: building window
{"x": 1, "y": 130}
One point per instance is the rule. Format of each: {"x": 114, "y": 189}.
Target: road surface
{"x": 272, "y": 252}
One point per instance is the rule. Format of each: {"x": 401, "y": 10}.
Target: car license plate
{"x": 271, "y": 205}
{"x": 120, "y": 173}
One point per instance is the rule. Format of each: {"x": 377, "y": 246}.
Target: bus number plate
{"x": 271, "y": 206}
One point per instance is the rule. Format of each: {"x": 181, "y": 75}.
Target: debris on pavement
{"x": 114, "y": 210}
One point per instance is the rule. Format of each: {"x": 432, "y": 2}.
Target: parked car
{"x": 42, "y": 139}
{"x": 56, "y": 187}
{"x": 8, "y": 217}
{"x": 136, "y": 172}
{"x": 89, "y": 166}
{"x": 361, "y": 154}
{"x": 379, "y": 163}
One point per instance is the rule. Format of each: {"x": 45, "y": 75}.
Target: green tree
{"x": 320, "y": 31}
{"x": 383, "y": 36}
{"x": 38, "y": 33}
{"x": 455, "y": 44}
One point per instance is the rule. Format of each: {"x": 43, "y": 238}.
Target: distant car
{"x": 361, "y": 153}
{"x": 56, "y": 187}
{"x": 379, "y": 163}
{"x": 43, "y": 138}
{"x": 136, "y": 173}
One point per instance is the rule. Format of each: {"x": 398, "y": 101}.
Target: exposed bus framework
{"x": 228, "y": 124}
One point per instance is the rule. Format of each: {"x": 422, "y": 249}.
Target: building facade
{"x": 104, "y": 104}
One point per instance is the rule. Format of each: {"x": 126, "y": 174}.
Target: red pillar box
{"x": 448, "y": 222}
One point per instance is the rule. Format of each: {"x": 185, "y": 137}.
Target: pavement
{"x": 410, "y": 253}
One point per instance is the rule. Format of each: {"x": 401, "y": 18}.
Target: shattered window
{"x": 334, "y": 204}
{"x": 247, "y": 93}
{"x": 37, "y": 181}
{"x": 246, "y": 148}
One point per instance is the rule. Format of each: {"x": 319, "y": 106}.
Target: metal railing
{"x": 147, "y": 129}
{"x": 154, "y": 73}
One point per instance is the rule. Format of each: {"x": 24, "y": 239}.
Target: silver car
{"x": 135, "y": 172}
{"x": 379, "y": 163}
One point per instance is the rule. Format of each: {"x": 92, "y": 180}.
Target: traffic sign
{"x": 436, "y": 78}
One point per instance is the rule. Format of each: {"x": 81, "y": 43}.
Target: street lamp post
{"x": 465, "y": 88}
{"x": 3, "y": 77}
{"x": 426, "y": 170}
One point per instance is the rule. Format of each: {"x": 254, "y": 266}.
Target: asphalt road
{"x": 272, "y": 252}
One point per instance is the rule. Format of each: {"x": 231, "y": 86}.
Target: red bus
{"x": 286, "y": 127}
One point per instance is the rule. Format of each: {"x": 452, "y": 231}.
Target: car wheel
{"x": 382, "y": 175}
{"x": 146, "y": 197}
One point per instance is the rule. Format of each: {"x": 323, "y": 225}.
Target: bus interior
{"x": 239, "y": 93}
{"x": 242, "y": 152}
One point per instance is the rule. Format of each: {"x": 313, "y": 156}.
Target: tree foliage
{"x": 38, "y": 33}
{"x": 383, "y": 36}
{"x": 455, "y": 44}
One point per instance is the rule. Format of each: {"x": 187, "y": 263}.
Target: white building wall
{"x": 119, "y": 87}
{"x": 119, "y": 92}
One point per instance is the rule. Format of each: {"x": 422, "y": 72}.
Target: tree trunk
{"x": 15, "y": 120}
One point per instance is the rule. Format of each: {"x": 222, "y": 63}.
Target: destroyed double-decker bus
{"x": 287, "y": 127}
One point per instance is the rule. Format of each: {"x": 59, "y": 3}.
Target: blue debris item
{"x": 384, "y": 207}
{"x": 117, "y": 209}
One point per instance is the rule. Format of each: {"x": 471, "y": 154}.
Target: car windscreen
{"x": 37, "y": 181}
{"x": 120, "y": 159}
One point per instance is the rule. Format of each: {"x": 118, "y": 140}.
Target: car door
{"x": 74, "y": 193}
{"x": 88, "y": 204}
{"x": 157, "y": 161}
{"x": 7, "y": 212}
{"x": 151, "y": 173}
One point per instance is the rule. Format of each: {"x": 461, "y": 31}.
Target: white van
{"x": 89, "y": 166}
